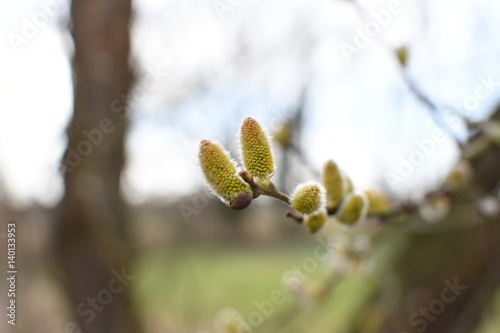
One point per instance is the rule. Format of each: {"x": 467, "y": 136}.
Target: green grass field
{"x": 184, "y": 288}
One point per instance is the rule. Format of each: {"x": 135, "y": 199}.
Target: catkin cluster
{"x": 312, "y": 202}
{"x": 223, "y": 174}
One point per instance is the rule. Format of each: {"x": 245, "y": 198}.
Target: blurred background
{"x": 103, "y": 105}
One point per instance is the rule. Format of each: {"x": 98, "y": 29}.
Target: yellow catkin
{"x": 308, "y": 198}
{"x": 353, "y": 209}
{"x": 256, "y": 151}
{"x": 333, "y": 183}
{"x": 221, "y": 172}
{"x": 378, "y": 202}
{"x": 348, "y": 185}
{"x": 315, "y": 221}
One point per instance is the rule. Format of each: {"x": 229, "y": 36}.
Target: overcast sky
{"x": 207, "y": 64}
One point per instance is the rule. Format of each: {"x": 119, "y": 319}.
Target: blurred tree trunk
{"x": 447, "y": 279}
{"x": 448, "y": 274}
{"x": 92, "y": 243}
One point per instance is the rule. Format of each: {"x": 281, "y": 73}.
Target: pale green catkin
{"x": 221, "y": 172}
{"x": 256, "y": 151}
{"x": 308, "y": 198}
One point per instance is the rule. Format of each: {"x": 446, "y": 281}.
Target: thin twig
{"x": 272, "y": 191}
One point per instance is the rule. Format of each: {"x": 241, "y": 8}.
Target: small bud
{"x": 283, "y": 135}
{"x": 402, "y": 54}
{"x": 348, "y": 186}
{"x": 246, "y": 176}
{"x": 315, "y": 221}
{"x": 222, "y": 175}
{"x": 436, "y": 209}
{"x": 460, "y": 176}
{"x": 378, "y": 202}
{"x": 333, "y": 183}
{"x": 242, "y": 201}
{"x": 353, "y": 209}
{"x": 256, "y": 151}
{"x": 308, "y": 198}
